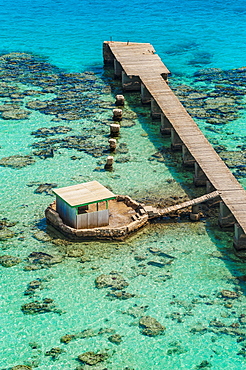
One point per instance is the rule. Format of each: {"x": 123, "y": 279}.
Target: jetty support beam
{"x": 108, "y": 56}
{"x": 145, "y": 95}
{"x": 239, "y": 241}
{"x": 130, "y": 83}
{"x": 166, "y": 126}
{"x": 226, "y": 218}
{"x": 117, "y": 69}
{"x": 155, "y": 110}
{"x": 195, "y": 213}
{"x": 187, "y": 159}
{"x": 200, "y": 179}
{"x": 176, "y": 142}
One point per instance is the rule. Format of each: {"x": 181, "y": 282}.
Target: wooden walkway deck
{"x": 159, "y": 212}
{"x": 137, "y": 59}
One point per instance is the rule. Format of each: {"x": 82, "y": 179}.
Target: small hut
{"x": 85, "y": 205}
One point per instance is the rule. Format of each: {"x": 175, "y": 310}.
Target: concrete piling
{"x": 112, "y": 144}
{"x": 176, "y": 142}
{"x": 239, "y": 238}
{"x": 117, "y": 114}
{"x": 120, "y": 100}
{"x": 114, "y": 129}
{"x": 226, "y": 218}
{"x": 200, "y": 179}
{"x": 145, "y": 95}
{"x": 130, "y": 83}
{"x": 187, "y": 159}
{"x": 195, "y": 213}
{"x": 155, "y": 109}
{"x": 109, "y": 163}
{"x": 166, "y": 126}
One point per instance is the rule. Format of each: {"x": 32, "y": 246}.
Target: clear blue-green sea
{"x": 51, "y": 53}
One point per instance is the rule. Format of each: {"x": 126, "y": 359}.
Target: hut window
{"x": 83, "y": 209}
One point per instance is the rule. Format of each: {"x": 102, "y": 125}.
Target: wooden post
{"x": 130, "y": 83}
{"x": 200, "y": 179}
{"x": 176, "y": 142}
{"x": 226, "y": 218}
{"x": 145, "y": 95}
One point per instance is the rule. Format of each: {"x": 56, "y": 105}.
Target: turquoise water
{"x": 184, "y": 296}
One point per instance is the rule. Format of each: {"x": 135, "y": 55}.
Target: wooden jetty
{"x": 142, "y": 70}
{"x": 159, "y": 212}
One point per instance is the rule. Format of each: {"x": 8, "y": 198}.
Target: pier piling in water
{"x": 109, "y": 163}
{"x": 166, "y": 126}
{"x": 112, "y": 144}
{"x": 114, "y": 129}
{"x": 120, "y": 100}
{"x": 117, "y": 114}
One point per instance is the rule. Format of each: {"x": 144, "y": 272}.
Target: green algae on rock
{"x": 9, "y": 261}
{"x": 17, "y": 161}
{"x": 150, "y": 326}
{"x": 37, "y": 307}
{"x": 113, "y": 280}
{"x": 92, "y": 358}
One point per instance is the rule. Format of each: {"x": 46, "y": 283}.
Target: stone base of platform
{"x": 100, "y": 233}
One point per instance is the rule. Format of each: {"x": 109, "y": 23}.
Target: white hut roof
{"x": 85, "y": 193}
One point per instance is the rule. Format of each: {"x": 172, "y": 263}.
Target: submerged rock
{"x": 33, "y": 286}
{"x": 21, "y": 367}
{"x": 6, "y": 234}
{"x": 54, "y": 352}
{"x": 45, "y": 259}
{"x": 75, "y": 252}
{"x": 203, "y": 365}
{"x": 45, "y": 188}
{"x": 120, "y": 294}
{"x": 50, "y": 131}
{"x": 113, "y": 280}
{"x": 115, "y": 338}
{"x": 16, "y": 114}
{"x": 36, "y": 307}
{"x": 67, "y": 338}
{"x": 229, "y": 294}
{"x": 9, "y": 261}
{"x": 92, "y": 358}
{"x": 87, "y": 333}
{"x": 136, "y": 311}
{"x": 17, "y": 161}
{"x": 150, "y": 326}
